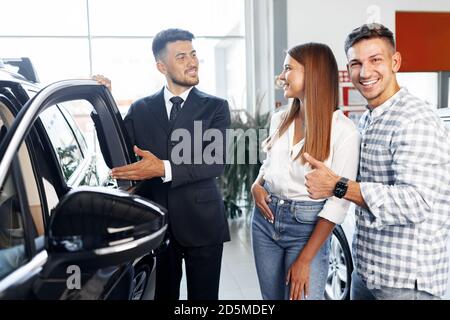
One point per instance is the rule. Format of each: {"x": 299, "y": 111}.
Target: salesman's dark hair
{"x": 169, "y": 35}
{"x": 369, "y": 31}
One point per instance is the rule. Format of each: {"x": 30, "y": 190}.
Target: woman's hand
{"x": 298, "y": 277}
{"x": 262, "y": 198}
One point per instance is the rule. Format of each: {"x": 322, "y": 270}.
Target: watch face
{"x": 340, "y": 189}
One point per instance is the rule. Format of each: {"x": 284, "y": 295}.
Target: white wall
{"x": 329, "y": 21}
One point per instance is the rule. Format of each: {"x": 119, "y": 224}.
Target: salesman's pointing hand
{"x": 146, "y": 168}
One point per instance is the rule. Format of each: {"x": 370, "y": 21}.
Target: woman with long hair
{"x": 290, "y": 231}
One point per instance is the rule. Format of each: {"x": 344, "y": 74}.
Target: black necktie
{"x": 176, "y": 108}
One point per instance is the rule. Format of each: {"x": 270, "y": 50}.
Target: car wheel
{"x": 340, "y": 268}
{"x": 140, "y": 281}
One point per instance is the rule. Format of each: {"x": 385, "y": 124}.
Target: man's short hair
{"x": 169, "y": 35}
{"x": 369, "y": 31}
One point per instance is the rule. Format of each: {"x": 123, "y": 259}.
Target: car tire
{"x": 141, "y": 278}
{"x": 340, "y": 268}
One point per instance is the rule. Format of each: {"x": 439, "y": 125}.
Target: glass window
{"x": 63, "y": 140}
{"x": 423, "y": 84}
{"x": 146, "y": 18}
{"x": 119, "y": 43}
{"x": 43, "y": 17}
{"x": 130, "y": 65}
{"x": 74, "y": 138}
{"x": 54, "y": 59}
{"x": 79, "y": 107}
{"x": 95, "y": 172}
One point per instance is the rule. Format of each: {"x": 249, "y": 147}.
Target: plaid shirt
{"x": 404, "y": 176}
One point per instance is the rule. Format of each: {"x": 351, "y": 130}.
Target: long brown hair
{"x": 321, "y": 99}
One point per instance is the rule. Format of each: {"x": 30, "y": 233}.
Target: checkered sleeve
{"x": 417, "y": 161}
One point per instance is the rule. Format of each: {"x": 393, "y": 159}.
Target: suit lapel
{"x": 159, "y": 111}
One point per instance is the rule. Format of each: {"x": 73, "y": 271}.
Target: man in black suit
{"x": 178, "y": 178}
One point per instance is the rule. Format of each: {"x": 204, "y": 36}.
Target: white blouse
{"x": 286, "y": 176}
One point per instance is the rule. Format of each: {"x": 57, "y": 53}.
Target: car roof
{"x": 8, "y": 78}
{"x": 7, "y": 75}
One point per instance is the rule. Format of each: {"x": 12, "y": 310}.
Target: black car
{"x": 67, "y": 229}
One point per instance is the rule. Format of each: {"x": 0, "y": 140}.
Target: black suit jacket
{"x": 194, "y": 202}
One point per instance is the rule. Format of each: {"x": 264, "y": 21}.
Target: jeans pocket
{"x": 306, "y": 214}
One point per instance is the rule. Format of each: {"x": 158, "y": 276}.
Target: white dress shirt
{"x": 167, "y": 96}
{"x": 286, "y": 176}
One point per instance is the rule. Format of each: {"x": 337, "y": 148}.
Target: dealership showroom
{"x": 182, "y": 150}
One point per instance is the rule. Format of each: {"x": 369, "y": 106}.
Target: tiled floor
{"x": 238, "y": 280}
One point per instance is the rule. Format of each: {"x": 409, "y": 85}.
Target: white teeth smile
{"x": 368, "y": 83}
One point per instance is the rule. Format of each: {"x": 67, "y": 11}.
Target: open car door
{"x": 87, "y": 227}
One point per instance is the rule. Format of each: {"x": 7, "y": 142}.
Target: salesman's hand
{"x": 103, "y": 80}
{"x": 320, "y": 182}
{"x": 261, "y": 197}
{"x": 147, "y": 168}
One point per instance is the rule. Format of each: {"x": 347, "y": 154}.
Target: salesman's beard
{"x": 186, "y": 82}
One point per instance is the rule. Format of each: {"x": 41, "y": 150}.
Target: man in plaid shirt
{"x": 403, "y": 188}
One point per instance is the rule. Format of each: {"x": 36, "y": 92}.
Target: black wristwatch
{"x": 341, "y": 188}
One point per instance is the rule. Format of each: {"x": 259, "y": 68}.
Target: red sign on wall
{"x": 423, "y": 40}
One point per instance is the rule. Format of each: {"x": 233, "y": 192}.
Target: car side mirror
{"x": 99, "y": 227}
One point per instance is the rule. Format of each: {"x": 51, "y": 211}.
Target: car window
{"x": 98, "y": 173}
{"x": 63, "y": 140}
{"x": 73, "y": 136}
{"x": 64, "y": 107}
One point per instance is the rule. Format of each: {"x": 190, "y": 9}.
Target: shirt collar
{"x": 378, "y": 111}
{"x": 168, "y": 95}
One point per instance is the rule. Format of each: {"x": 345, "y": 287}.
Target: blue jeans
{"x": 360, "y": 291}
{"x": 277, "y": 245}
